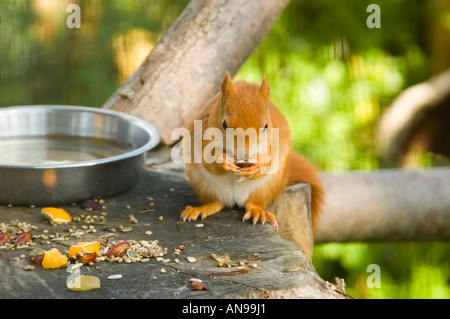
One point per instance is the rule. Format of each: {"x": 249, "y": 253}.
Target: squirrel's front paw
{"x": 250, "y": 171}
{"x": 229, "y": 165}
{"x": 257, "y": 213}
{"x": 192, "y": 213}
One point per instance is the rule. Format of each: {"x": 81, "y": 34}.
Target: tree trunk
{"x": 387, "y": 205}
{"x": 186, "y": 67}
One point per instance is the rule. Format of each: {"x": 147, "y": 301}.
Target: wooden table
{"x": 272, "y": 267}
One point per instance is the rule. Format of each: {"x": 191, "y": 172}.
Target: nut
{"x": 23, "y": 238}
{"x": 4, "y": 238}
{"x": 119, "y": 249}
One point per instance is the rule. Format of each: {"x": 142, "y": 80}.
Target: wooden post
{"x": 185, "y": 68}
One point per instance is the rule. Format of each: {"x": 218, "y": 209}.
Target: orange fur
{"x": 302, "y": 171}
{"x": 244, "y": 105}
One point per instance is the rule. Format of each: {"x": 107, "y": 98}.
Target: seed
{"x": 119, "y": 276}
{"x": 144, "y": 260}
{"x": 132, "y": 219}
{"x": 292, "y": 268}
{"x": 160, "y": 218}
{"x": 148, "y": 232}
{"x": 191, "y": 259}
{"x": 162, "y": 271}
{"x": 29, "y": 267}
{"x": 254, "y": 265}
{"x": 76, "y": 234}
{"x": 195, "y": 279}
{"x": 199, "y": 225}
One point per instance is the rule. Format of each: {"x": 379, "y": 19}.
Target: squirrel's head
{"x": 244, "y": 108}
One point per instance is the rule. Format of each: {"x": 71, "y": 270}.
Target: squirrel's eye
{"x": 224, "y": 125}
{"x": 265, "y": 127}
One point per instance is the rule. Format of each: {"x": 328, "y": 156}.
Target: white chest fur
{"x": 227, "y": 188}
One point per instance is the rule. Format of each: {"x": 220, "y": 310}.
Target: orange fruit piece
{"x": 54, "y": 259}
{"x": 56, "y": 215}
{"x": 84, "y": 247}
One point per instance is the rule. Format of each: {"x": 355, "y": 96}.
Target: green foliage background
{"x": 330, "y": 75}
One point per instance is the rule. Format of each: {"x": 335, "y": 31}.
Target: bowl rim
{"x": 154, "y": 136}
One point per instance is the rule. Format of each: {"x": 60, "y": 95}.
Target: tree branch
{"x": 185, "y": 68}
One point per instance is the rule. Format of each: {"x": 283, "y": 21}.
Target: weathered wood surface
{"x": 185, "y": 68}
{"x": 223, "y": 234}
{"x": 385, "y": 206}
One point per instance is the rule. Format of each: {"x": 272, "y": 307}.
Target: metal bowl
{"x": 55, "y": 154}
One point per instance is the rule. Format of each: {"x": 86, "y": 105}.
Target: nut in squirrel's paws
{"x": 250, "y": 171}
{"x": 259, "y": 214}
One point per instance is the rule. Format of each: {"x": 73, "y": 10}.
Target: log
{"x": 418, "y": 114}
{"x": 185, "y": 68}
{"x": 386, "y": 205}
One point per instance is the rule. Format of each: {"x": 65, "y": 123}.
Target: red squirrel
{"x": 230, "y": 180}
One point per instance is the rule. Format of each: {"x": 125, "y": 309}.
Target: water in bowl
{"x": 40, "y": 150}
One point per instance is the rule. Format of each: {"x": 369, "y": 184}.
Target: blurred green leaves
{"x": 330, "y": 75}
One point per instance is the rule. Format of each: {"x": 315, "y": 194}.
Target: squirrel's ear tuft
{"x": 265, "y": 88}
{"x": 226, "y": 88}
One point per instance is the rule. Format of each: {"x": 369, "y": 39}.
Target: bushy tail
{"x": 302, "y": 171}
